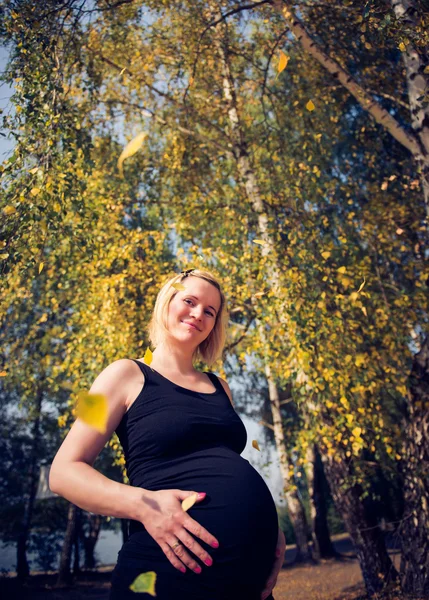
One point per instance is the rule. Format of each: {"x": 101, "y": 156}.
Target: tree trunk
{"x": 414, "y": 466}
{"x": 377, "y": 568}
{"x": 23, "y": 570}
{"x": 295, "y": 507}
{"x": 89, "y": 541}
{"x": 322, "y": 544}
{"x": 64, "y": 574}
{"x": 78, "y": 528}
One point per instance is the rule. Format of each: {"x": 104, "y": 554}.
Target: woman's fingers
{"x": 199, "y": 531}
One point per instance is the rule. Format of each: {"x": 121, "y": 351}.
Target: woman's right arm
{"x": 72, "y": 475}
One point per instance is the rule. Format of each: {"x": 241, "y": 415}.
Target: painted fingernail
{"x": 215, "y": 544}
{"x": 208, "y": 562}
{"x": 183, "y": 569}
{"x": 198, "y": 570}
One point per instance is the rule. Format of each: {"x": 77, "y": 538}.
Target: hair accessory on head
{"x": 187, "y": 272}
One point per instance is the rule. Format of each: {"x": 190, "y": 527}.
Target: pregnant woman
{"x": 180, "y": 435}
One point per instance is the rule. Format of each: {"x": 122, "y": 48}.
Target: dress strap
{"x": 142, "y": 367}
{"x": 215, "y": 380}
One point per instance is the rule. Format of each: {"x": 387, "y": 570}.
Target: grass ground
{"x": 337, "y": 579}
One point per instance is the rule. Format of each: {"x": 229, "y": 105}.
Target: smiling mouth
{"x": 190, "y": 325}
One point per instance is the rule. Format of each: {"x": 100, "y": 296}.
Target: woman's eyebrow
{"x": 198, "y": 299}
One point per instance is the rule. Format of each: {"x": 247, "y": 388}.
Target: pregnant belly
{"x": 238, "y": 510}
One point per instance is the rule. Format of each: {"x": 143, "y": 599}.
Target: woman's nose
{"x": 197, "y": 312}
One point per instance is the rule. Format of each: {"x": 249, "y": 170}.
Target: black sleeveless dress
{"x": 175, "y": 438}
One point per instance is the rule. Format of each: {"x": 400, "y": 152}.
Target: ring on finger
{"x": 175, "y": 545}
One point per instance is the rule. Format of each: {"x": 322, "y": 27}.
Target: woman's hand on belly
{"x": 278, "y": 563}
{"x": 166, "y": 521}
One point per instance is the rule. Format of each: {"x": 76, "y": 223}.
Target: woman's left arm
{"x": 278, "y": 563}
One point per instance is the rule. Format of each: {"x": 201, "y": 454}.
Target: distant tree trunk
{"x": 124, "y": 527}
{"x": 377, "y": 568}
{"x": 78, "y": 528}
{"x": 89, "y": 541}
{"x": 23, "y": 570}
{"x": 294, "y": 505}
{"x": 414, "y": 466}
{"x": 322, "y": 544}
{"x": 64, "y": 574}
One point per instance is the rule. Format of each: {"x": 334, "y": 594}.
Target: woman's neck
{"x": 173, "y": 360}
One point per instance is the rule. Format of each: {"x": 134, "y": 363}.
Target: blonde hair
{"x": 212, "y": 347}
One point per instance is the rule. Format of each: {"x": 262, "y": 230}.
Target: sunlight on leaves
{"x": 93, "y": 410}
{"x": 130, "y": 149}
{"x": 189, "y": 501}
{"x": 144, "y": 583}
{"x": 147, "y": 358}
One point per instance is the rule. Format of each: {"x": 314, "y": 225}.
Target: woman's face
{"x": 192, "y": 312}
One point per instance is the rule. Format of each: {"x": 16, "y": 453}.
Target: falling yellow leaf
{"x": 310, "y": 106}
{"x": 189, "y": 501}
{"x": 35, "y": 191}
{"x": 40, "y": 267}
{"x": 357, "y": 431}
{"x": 9, "y": 210}
{"x": 260, "y": 242}
{"x": 258, "y": 294}
{"x": 144, "y": 583}
{"x": 3, "y": 373}
{"x": 326, "y": 255}
{"x": 130, "y": 149}
{"x": 361, "y": 285}
{"x": 147, "y": 358}
{"x": 284, "y": 59}
{"x": 363, "y": 309}
{"x": 93, "y": 410}
{"x": 255, "y": 445}
{"x": 402, "y": 47}
{"x": 341, "y": 269}
{"x": 178, "y": 286}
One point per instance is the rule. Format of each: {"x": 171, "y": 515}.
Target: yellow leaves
{"x": 402, "y": 47}
{"x": 178, "y": 286}
{"x": 357, "y": 431}
{"x": 144, "y": 583}
{"x": 130, "y": 149}
{"x": 255, "y": 445}
{"x": 260, "y": 242}
{"x": 147, "y": 358}
{"x": 92, "y": 409}
{"x": 3, "y": 373}
{"x": 41, "y": 265}
{"x": 341, "y": 269}
{"x": 360, "y": 360}
{"x": 283, "y": 61}
{"x": 4, "y": 255}
{"x": 310, "y": 106}
{"x": 35, "y": 191}
{"x": 62, "y": 420}
{"x": 34, "y": 170}
{"x": 361, "y": 286}
{"x": 189, "y": 501}
{"x": 329, "y": 404}
{"x": 326, "y": 255}
{"x": 9, "y": 210}
{"x": 345, "y": 402}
